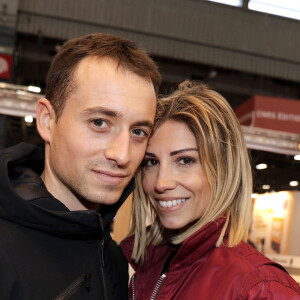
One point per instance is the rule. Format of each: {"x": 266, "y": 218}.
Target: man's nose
{"x": 118, "y": 149}
{"x": 165, "y": 179}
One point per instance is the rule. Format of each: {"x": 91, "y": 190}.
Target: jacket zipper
{"x": 74, "y": 287}
{"x": 155, "y": 290}
{"x": 102, "y": 257}
{"x": 132, "y": 287}
{"x": 158, "y": 286}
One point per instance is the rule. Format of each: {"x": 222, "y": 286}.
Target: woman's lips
{"x": 170, "y": 204}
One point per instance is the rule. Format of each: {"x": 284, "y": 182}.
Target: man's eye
{"x": 99, "y": 123}
{"x": 139, "y": 132}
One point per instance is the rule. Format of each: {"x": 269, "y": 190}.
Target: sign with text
{"x": 270, "y": 113}
{"x": 5, "y": 65}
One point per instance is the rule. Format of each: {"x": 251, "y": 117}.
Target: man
{"x": 56, "y": 207}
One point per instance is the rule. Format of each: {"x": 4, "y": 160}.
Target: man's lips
{"x": 110, "y": 177}
{"x": 111, "y": 174}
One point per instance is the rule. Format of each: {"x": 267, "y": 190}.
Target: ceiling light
{"x": 261, "y": 166}
{"x": 294, "y": 183}
{"x": 266, "y": 187}
{"x": 28, "y": 119}
{"x": 229, "y": 2}
{"x": 34, "y": 89}
{"x": 297, "y": 157}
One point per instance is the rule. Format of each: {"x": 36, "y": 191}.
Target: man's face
{"x": 100, "y": 138}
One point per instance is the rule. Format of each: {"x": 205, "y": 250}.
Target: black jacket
{"x": 46, "y": 251}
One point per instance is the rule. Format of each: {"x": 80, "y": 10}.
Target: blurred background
{"x": 245, "y": 49}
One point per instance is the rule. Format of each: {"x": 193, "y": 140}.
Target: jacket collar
{"x": 193, "y": 248}
{"x": 198, "y": 244}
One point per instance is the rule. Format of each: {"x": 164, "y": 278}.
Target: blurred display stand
{"x": 275, "y": 228}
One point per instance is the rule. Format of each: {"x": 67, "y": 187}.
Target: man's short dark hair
{"x": 125, "y": 53}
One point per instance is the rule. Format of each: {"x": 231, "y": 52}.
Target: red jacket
{"x": 200, "y": 270}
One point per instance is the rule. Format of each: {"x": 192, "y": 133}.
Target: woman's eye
{"x": 147, "y": 162}
{"x": 99, "y": 123}
{"x": 186, "y": 161}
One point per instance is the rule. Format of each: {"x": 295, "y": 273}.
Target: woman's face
{"x": 173, "y": 177}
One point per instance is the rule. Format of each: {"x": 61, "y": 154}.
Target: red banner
{"x": 5, "y": 65}
{"x": 270, "y": 113}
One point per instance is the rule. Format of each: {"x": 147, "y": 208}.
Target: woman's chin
{"x": 176, "y": 226}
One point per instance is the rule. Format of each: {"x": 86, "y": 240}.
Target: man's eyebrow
{"x": 144, "y": 123}
{"x": 114, "y": 114}
{"x": 101, "y": 110}
{"x": 173, "y": 152}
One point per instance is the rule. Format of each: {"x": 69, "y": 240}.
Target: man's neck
{"x": 65, "y": 196}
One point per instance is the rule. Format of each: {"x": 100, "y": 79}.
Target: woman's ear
{"x": 45, "y": 117}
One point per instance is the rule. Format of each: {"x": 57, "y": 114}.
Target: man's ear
{"x": 45, "y": 118}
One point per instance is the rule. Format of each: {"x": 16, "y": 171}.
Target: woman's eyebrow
{"x": 150, "y": 154}
{"x": 182, "y": 150}
{"x": 173, "y": 152}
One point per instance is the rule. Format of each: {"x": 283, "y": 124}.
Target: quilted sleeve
{"x": 272, "y": 290}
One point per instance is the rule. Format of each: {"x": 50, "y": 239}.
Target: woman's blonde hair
{"x": 224, "y": 159}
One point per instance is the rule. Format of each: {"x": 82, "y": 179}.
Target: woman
{"x": 196, "y": 182}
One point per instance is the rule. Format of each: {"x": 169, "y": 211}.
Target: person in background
{"x": 56, "y": 205}
{"x": 194, "y": 187}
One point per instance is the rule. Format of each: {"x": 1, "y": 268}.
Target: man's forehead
{"x": 108, "y": 65}
{"x": 99, "y": 86}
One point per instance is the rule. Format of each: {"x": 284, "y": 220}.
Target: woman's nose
{"x": 165, "y": 179}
